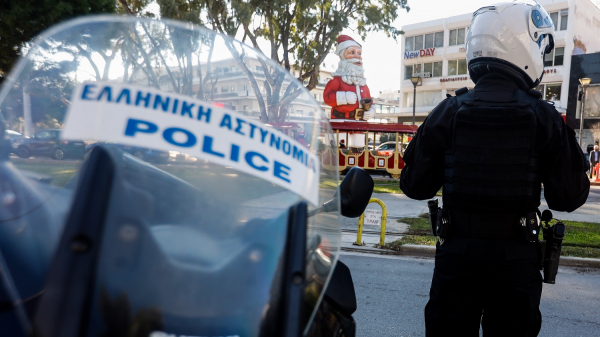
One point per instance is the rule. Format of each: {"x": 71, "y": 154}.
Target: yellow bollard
{"x": 383, "y": 220}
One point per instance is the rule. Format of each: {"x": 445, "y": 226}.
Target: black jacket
{"x": 562, "y": 163}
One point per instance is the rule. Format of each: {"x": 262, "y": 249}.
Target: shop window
{"x": 550, "y": 92}
{"x": 457, "y": 36}
{"x": 457, "y": 67}
{"x": 424, "y": 98}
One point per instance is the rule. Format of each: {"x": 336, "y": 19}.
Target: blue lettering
{"x": 187, "y": 109}
{"x": 190, "y": 138}
{"x": 202, "y": 113}
{"x": 276, "y": 141}
{"x": 250, "y": 160}
{"x": 87, "y": 90}
{"x": 175, "y": 104}
{"x": 298, "y": 154}
{"x": 252, "y": 128}
{"x": 127, "y": 94}
{"x": 163, "y": 104}
{"x": 133, "y": 126}
{"x": 280, "y": 170}
{"x": 140, "y": 98}
{"x": 289, "y": 147}
{"x": 235, "y": 153}
{"x": 263, "y": 135}
{"x": 108, "y": 94}
{"x": 226, "y": 121}
{"x": 207, "y": 147}
{"x": 240, "y": 123}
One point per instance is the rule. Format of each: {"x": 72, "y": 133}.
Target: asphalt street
{"x": 392, "y": 291}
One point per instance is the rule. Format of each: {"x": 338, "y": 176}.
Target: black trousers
{"x": 495, "y": 283}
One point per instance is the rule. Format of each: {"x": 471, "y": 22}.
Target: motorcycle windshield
{"x": 212, "y": 144}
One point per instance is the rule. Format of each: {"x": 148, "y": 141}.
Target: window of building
{"x": 439, "y": 40}
{"x": 550, "y": 92}
{"x": 564, "y": 19}
{"x": 457, "y": 36}
{"x": 560, "y": 19}
{"x": 434, "y": 68}
{"x": 424, "y": 41}
{"x": 457, "y": 67}
{"x": 224, "y": 89}
{"x": 555, "y": 58}
{"x": 408, "y": 72}
{"x": 409, "y": 43}
{"x": 232, "y": 88}
{"x": 424, "y": 98}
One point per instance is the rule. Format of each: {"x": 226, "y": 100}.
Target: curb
{"x": 429, "y": 251}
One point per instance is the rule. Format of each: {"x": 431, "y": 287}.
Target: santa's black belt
{"x": 485, "y": 225}
{"x": 338, "y": 114}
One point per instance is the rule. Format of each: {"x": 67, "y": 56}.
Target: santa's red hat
{"x": 345, "y": 41}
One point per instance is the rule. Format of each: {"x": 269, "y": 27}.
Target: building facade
{"x": 437, "y": 49}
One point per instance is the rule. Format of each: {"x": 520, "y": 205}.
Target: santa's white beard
{"x": 350, "y": 72}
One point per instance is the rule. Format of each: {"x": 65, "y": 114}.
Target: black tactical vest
{"x": 492, "y": 165}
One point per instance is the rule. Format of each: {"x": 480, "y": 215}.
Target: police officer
{"x": 491, "y": 148}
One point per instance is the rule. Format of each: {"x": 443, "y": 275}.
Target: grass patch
{"x": 582, "y": 239}
{"x": 580, "y": 252}
{"x": 424, "y": 240}
{"x": 417, "y": 226}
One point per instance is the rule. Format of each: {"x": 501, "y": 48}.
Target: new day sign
{"x": 147, "y": 117}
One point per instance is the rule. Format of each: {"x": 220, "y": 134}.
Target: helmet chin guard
{"x": 511, "y": 37}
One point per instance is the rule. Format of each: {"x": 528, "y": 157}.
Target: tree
{"x": 300, "y": 32}
{"x": 22, "y": 20}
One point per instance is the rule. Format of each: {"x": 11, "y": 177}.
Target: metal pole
{"x": 414, "y": 102}
{"x": 581, "y": 117}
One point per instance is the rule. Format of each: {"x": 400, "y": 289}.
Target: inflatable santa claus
{"x": 348, "y": 90}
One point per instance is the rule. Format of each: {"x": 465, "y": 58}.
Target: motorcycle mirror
{"x": 355, "y": 192}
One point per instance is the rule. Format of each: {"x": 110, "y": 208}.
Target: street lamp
{"x": 415, "y": 80}
{"x": 584, "y": 83}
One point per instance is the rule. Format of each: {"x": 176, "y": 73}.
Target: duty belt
{"x": 485, "y": 225}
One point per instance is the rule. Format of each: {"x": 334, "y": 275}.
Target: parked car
{"x": 13, "y": 135}
{"x": 48, "y": 143}
{"x": 148, "y": 155}
{"x": 387, "y": 148}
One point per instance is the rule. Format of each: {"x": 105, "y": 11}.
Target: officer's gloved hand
{"x": 369, "y": 114}
{"x": 345, "y": 97}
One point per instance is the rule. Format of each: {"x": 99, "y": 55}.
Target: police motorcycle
{"x": 240, "y": 238}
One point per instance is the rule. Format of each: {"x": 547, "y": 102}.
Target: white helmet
{"x": 512, "y": 37}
